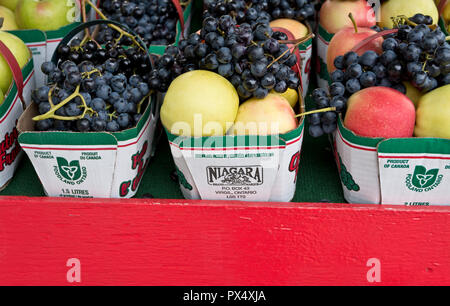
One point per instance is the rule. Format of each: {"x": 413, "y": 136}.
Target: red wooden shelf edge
{"x": 172, "y": 242}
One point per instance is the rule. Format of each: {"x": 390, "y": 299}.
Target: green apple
{"x": 11, "y": 4}
{"x": 21, "y": 53}
{"x": 433, "y": 113}
{"x": 200, "y": 103}
{"x": 9, "y": 20}
{"x": 44, "y": 15}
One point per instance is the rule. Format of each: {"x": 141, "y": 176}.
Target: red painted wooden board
{"x": 162, "y": 242}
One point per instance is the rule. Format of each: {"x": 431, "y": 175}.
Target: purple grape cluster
{"x": 155, "y": 21}
{"x": 254, "y": 11}
{"x": 250, "y": 57}
{"x": 113, "y": 93}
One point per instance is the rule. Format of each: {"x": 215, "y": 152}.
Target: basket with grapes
{"x": 390, "y": 128}
{"x": 90, "y": 130}
{"x": 214, "y": 75}
{"x": 159, "y": 23}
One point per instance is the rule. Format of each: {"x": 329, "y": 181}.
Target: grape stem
{"x": 139, "y": 105}
{"x": 323, "y": 110}
{"x": 51, "y": 113}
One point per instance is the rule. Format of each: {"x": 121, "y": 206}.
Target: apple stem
{"x": 350, "y": 15}
{"x": 323, "y": 110}
{"x": 366, "y": 41}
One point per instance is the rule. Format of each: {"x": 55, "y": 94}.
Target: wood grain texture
{"x": 163, "y": 242}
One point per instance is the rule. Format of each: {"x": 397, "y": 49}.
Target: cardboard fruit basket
{"x": 411, "y": 172}
{"x": 11, "y": 109}
{"x": 246, "y": 168}
{"x": 87, "y": 165}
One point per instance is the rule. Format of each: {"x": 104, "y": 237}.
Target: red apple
{"x": 380, "y": 112}
{"x": 334, "y": 14}
{"x": 346, "y": 39}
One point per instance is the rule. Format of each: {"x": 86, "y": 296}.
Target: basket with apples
{"x": 390, "y": 90}
{"x": 232, "y": 96}
{"x": 159, "y": 23}
{"x": 16, "y": 85}
{"x": 90, "y": 130}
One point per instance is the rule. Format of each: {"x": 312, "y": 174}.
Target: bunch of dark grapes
{"x": 112, "y": 88}
{"x": 155, "y": 21}
{"x": 415, "y": 54}
{"x": 130, "y": 61}
{"x": 251, "y": 58}
{"x": 253, "y": 11}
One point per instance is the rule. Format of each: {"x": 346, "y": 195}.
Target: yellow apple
{"x": 291, "y": 95}
{"x": 408, "y": 8}
{"x": 433, "y": 113}
{"x": 11, "y": 4}
{"x": 2, "y": 97}
{"x": 21, "y": 53}
{"x": 272, "y": 115}
{"x": 9, "y": 20}
{"x": 200, "y": 103}
{"x": 298, "y": 29}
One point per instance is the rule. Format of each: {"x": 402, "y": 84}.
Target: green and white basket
{"x": 408, "y": 171}
{"x": 241, "y": 168}
{"x": 10, "y": 111}
{"x": 90, "y": 165}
